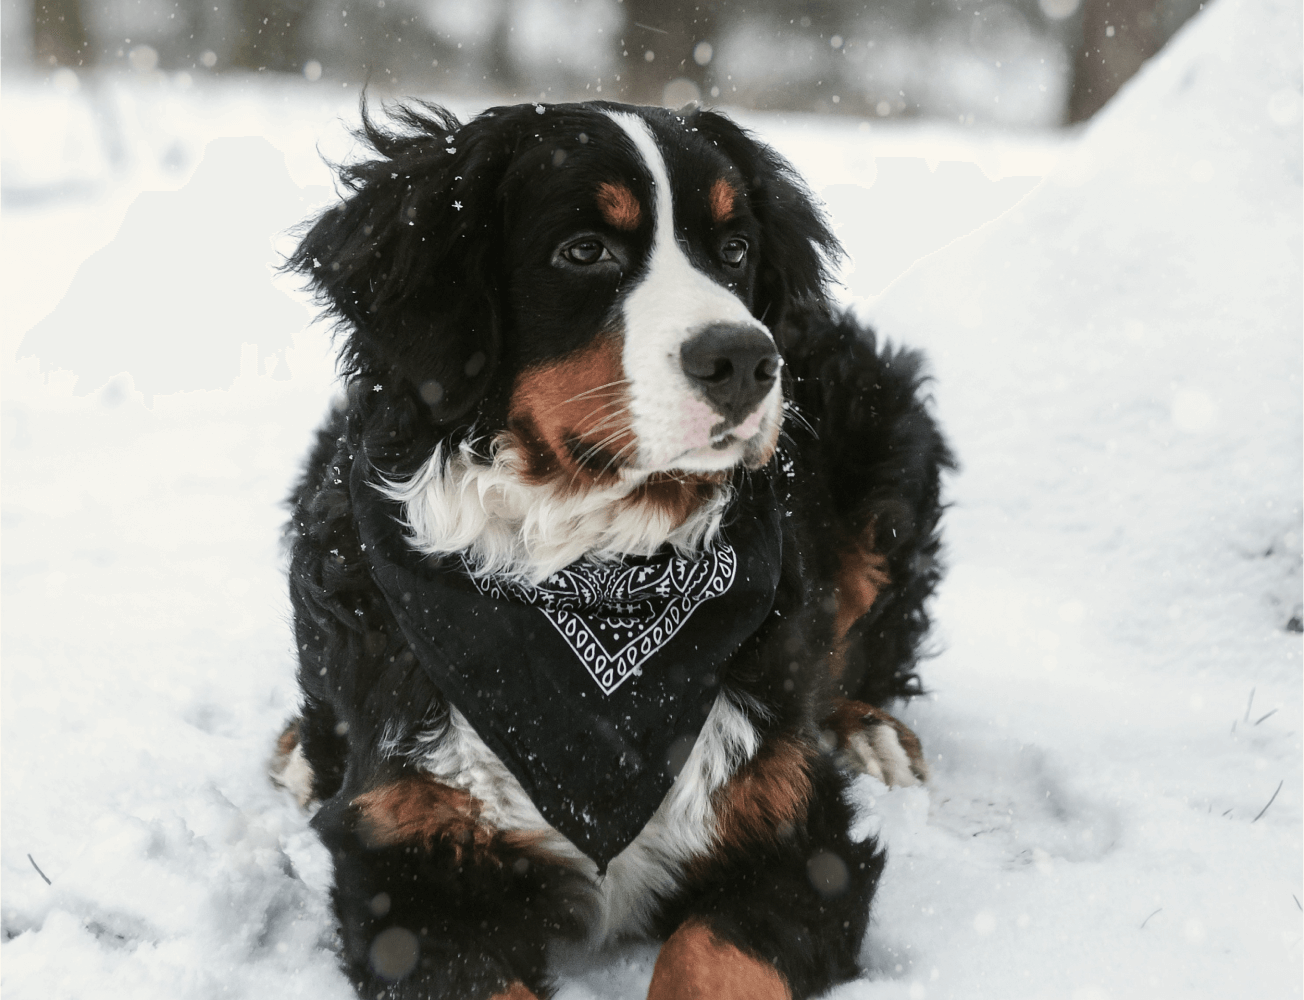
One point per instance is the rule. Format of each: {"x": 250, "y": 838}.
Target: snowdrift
{"x": 1118, "y": 360}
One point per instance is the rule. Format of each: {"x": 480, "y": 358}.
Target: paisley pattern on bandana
{"x": 614, "y": 616}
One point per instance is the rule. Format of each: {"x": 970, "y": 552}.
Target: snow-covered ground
{"x": 1118, "y": 692}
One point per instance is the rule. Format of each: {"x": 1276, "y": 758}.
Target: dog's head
{"x": 596, "y": 282}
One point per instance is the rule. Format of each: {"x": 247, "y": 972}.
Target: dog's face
{"x": 632, "y": 261}
{"x": 593, "y": 282}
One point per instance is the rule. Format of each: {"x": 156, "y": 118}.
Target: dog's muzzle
{"x": 733, "y": 366}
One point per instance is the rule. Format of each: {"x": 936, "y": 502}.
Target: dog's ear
{"x": 797, "y": 246}
{"x": 409, "y": 260}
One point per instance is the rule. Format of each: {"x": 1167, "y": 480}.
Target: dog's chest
{"x": 648, "y": 869}
{"x": 590, "y": 686}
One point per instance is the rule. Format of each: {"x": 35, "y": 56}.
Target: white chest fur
{"x": 650, "y": 867}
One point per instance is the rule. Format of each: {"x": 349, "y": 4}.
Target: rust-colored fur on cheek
{"x": 769, "y": 792}
{"x": 677, "y": 496}
{"x": 619, "y": 207}
{"x": 861, "y": 575}
{"x": 572, "y": 415}
{"x": 722, "y": 200}
{"x": 694, "y": 964}
{"x": 570, "y": 420}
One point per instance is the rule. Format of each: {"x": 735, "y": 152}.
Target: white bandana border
{"x": 641, "y": 607}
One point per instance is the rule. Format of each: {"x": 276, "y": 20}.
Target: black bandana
{"x": 588, "y": 684}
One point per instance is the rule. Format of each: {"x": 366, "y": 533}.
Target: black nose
{"x": 733, "y": 366}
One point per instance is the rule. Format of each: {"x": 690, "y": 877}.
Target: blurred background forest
{"x": 1009, "y": 62}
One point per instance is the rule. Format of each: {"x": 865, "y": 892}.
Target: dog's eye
{"x": 734, "y": 252}
{"x": 586, "y": 252}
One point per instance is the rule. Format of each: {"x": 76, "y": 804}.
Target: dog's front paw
{"x": 289, "y": 768}
{"x": 869, "y": 741}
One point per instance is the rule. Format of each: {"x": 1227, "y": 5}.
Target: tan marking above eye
{"x": 619, "y": 206}
{"x": 721, "y": 200}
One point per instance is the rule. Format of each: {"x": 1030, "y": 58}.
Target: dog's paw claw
{"x": 870, "y": 741}
{"x": 876, "y": 751}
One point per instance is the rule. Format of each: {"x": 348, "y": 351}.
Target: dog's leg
{"x": 778, "y": 911}
{"x": 310, "y": 755}
{"x": 436, "y": 904}
{"x": 289, "y": 767}
{"x": 873, "y": 742}
{"x": 696, "y": 963}
{"x": 870, "y": 457}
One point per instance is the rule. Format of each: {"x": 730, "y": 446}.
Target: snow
{"x": 1114, "y": 319}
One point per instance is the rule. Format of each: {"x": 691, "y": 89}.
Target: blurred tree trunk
{"x": 270, "y": 34}
{"x": 1117, "y": 37}
{"x": 671, "y": 31}
{"x": 502, "y": 65}
{"x": 59, "y": 33}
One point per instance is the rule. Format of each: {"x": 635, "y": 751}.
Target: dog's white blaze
{"x": 673, "y": 302}
{"x": 647, "y": 870}
{"x": 465, "y": 502}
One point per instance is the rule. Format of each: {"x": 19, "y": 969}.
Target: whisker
{"x": 599, "y": 446}
{"x": 615, "y": 398}
{"x": 800, "y": 417}
{"x": 584, "y": 457}
{"x": 608, "y": 385}
{"x": 791, "y": 407}
{"x": 603, "y": 426}
{"x": 623, "y": 411}
{"x": 619, "y": 455}
{"x": 595, "y": 389}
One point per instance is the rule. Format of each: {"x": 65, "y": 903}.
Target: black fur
{"x": 876, "y": 458}
{"x": 426, "y": 265}
{"x": 800, "y": 903}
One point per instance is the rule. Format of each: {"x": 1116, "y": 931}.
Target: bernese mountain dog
{"x": 606, "y": 563}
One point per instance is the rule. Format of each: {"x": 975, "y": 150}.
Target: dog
{"x": 606, "y": 563}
